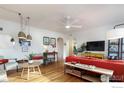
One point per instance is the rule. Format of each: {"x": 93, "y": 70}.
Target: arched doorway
{"x": 72, "y": 43}
{"x": 60, "y": 46}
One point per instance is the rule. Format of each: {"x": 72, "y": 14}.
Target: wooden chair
{"x": 31, "y": 67}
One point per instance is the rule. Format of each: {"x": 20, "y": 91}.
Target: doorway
{"x": 60, "y": 45}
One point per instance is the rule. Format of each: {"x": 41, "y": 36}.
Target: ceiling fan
{"x": 70, "y": 23}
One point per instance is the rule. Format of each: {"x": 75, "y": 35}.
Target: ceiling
{"x": 50, "y": 16}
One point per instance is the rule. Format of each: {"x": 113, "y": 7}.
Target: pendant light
{"x": 29, "y": 37}
{"x": 21, "y": 34}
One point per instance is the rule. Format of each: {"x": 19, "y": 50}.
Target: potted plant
{"x": 82, "y": 48}
{"x": 75, "y": 51}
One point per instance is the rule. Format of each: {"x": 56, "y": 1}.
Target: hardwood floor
{"x": 53, "y": 72}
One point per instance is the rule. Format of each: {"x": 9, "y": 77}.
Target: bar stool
{"x": 31, "y": 67}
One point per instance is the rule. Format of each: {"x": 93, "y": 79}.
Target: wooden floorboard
{"x": 53, "y": 72}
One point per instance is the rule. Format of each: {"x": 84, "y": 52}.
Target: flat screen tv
{"x": 95, "y": 46}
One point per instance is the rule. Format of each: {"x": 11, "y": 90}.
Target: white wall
{"x": 11, "y": 29}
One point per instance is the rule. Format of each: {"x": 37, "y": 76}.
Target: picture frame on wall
{"x": 46, "y": 40}
{"x": 25, "y": 46}
{"x": 24, "y": 42}
{"x": 53, "y": 42}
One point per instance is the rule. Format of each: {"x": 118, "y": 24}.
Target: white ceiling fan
{"x": 70, "y": 23}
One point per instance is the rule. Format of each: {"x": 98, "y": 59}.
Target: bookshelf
{"x": 116, "y": 49}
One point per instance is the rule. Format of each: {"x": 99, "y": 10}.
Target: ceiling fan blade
{"x": 76, "y": 26}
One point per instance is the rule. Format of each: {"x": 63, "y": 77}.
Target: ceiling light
{"x": 21, "y": 34}
{"x": 115, "y": 33}
{"x": 29, "y": 37}
{"x": 67, "y": 26}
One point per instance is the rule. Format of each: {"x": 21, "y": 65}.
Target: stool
{"x": 30, "y": 68}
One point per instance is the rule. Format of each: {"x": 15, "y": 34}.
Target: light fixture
{"x": 67, "y": 26}
{"x": 21, "y": 34}
{"x": 13, "y": 41}
{"x": 29, "y": 37}
{"x": 116, "y": 33}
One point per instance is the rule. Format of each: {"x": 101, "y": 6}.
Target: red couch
{"x": 116, "y": 65}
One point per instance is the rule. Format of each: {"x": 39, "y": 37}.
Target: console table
{"x": 80, "y": 69}
{"x": 50, "y": 57}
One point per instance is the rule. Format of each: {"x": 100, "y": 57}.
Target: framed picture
{"x": 24, "y": 42}
{"x": 25, "y": 46}
{"x": 46, "y": 41}
{"x": 53, "y": 42}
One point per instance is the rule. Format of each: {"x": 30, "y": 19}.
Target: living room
{"x": 74, "y": 30}
{"x": 61, "y": 43}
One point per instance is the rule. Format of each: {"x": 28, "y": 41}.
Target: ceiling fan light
{"x": 67, "y": 26}
{"x": 29, "y": 37}
{"x": 21, "y": 35}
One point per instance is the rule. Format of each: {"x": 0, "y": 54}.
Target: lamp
{"x": 21, "y": 34}
{"x": 13, "y": 41}
{"x": 29, "y": 37}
